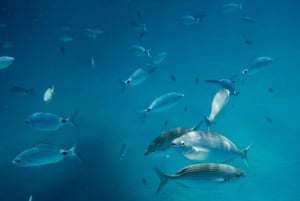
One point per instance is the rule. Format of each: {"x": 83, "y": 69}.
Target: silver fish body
{"x": 258, "y": 65}
{"x": 210, "y": 172}
{"x": 139, "y": 51}
{"x": 230, "y": 7}
{"x": 207, "y": 146}
{"x": 162, "y": 145}
{"x": 159, "y": 58}
{"x": 43, "y": 154}
{"x": 5, "y": 62}
{"x": 44, "y": 121}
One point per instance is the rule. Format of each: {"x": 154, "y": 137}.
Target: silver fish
{"x": 207, "y": 146}
{"x": 230, "y": 7}
{"x": 226, "y": 84}
{"x": 161, "y": 145}
{"x": 30, "y": 198}
{"x": 43, "y": 154}
{"x": 259, "y": 64}
{"x": 139, "y": 51}
{"x": 44, "y": 121}
{"x": 162, "y": 103}
{"x": 123, "y": 151}
{"x": 5, "y": 62}
{"x": 21, "y": 91}
{"x": 192, "y": 19}
{"x": 137, "y": 77}
{"x": 220, "y": 99}
{"x": 159, "y": 58}
{"x": 210, "y": 172}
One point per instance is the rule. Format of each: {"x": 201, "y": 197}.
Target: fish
{"x": 62, "y": 50}
{"x": 48, "y": 95}
{"x": 159, "y": 58}
{"x": 173, "y": 78}
{"x": 257, "y": 65}
{"x": 270, "y": 90}
{"x": 93, "y": 32}
{"x": 165, "y": 123}
{"x": 248, "y": 42}
{"x": 92, "y": 62}
{"x": 30, "y": 198}
{"x": 206, "y": 146}
{"x": 192, "y": 19}
{"x": 162, "y": 103}
{"x": 139, "y": 26}
{"x": 230, "y": 7}
{"x": 220, "y": 99}
{"x": 209, "y": 172}
{"x": 162, "y": 144}
{"x": 43, "y": 154}
{"x": 6, "y": 61}
{"x": 144, "y": 181}
{"x": 197, "y": 81}
{"x": 21, "y": 91}
{"x": 226, "y": 84}
{"x": 44, "y": 121}
{"x": 137, "y": 77}
{"x": 185, "y": 109}
{"x": 66, "y": 38}
{"x": 139, "y": 51}
{"x": 269, "y": 120}
{"x": 123, "y": 151}
{"x": 247, "y": 19}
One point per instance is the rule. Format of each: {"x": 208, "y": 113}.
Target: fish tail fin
{"x": 148, "y": 53}
{"x": 163, "y": 179}
{"x": 244, "y": 154}
{"x": 73, "y": 151}
{"x": 32, "y": 92}
{"x": 196, "y": 127}
{"x": 208, "y": 123}
{"x": 142, "y": 35}
{"x": 73, "y": 118}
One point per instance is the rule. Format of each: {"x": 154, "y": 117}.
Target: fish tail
{"x": 244, "y": 154}
{"x": 163, "y": 179}
{"x": 147, "y": 52}
{"x": 73, "y": 118}
{"x": 208, "y": 123}
{"x": 73, "y": 151}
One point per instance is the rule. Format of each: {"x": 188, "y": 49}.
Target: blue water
{"x": 107, "y": 119}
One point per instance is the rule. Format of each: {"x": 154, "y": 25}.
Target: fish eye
{"x": 182, "y": 143}
{"x": 26, "y": 121}
{"x": 245, "y": 71}
{"x": 63, "y": 121}
{"x": 64, "y": 153}
{"x": 17, "y": 160}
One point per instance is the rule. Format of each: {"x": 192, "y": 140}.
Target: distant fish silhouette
{"x": 197, "y": 81}
{"x": 173, "y": 78}
{"x": 62, "y": 50}
{"x": 185, "y": 109}
{"x": 123, "y": 152}
{"x": 268, "y": 119}
{"x": 144, "y": 181}
{"x": 270, "y": 90}
{"x": 248, "y": 42}
{"x": 166, "y": 123}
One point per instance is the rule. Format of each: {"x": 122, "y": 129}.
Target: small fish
{"x": 248, "y": 42}
{"x": 48, "y": 95}
{"x": 231, "y": 7}
{"x": 139, "y": 51}
{"x": 123, "y": 151}
{"x": 197, "y": 81}
{"x": 162, "y": 144}
{"x": 270, "y": 90}
{"x": 94, "y": 32}
{"x": 247, "y": 19}
{"x": 66, "y": 38}
{"x": 21, "y": 91}
{"x": 166, "y": 123}
{"x": 226, "y": 84}
{"x": 159, "y": 58}
{"x": 185, "y": 109}
{"x": 139, "y": 14}
{"x": 209, "y": 172}
{"x": 220, "y": 99}
{"x": 173, "y": 78}
{"x": 162, "y": 103}
{"x": 207, "y": 146}
{"x": 268, "y": 119}
{"x": 192, "y": 19}
{"x": 43, "y": 154}
{"x": 44, "y": 121}
{"x": 92, "y": 62}
{"x": 137, "y": 77}
{"x": 5, "y": 62}
{"x": 62, "y": 50}
{"x": 144, "y": 181}
{"x": 258, "y": 65}
{"x": 30, "y": 198}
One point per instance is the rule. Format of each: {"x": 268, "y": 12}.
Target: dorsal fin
{"x": 196, "y": 127}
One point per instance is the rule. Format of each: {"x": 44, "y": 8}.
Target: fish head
{"x": 237, "y": 175}
{"x": 245, "y": 71}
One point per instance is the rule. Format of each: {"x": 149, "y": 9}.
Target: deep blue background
{"x": 107, "y": 119}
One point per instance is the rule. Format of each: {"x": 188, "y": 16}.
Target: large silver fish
{"x": 162, "y": 144}
{"x": 259, "y": 64}
{"x": 5, "y": 62}
{"x": 162, "y": 103}
{"x": 139, "y": 51}
{"x": 211, "y": 172}
{"x": 44, "y": 121}
{"x": 43, "y": 154}
{"x": 207, "y": 146}
{"x": 220, "y": 99}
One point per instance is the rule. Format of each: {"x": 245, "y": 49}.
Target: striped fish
{"x": 212, "y": 172}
